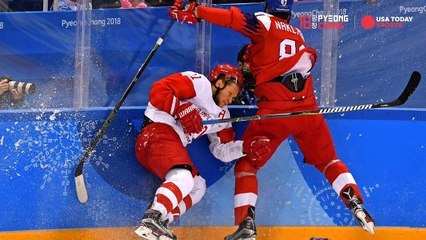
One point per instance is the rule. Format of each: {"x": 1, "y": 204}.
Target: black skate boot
{"x": 166, "y": 225}
{"x": 246, "y": 230}
{"x": 152, "y": 228}
{"x": 361, "y": 215}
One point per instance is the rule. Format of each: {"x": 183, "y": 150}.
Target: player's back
{"x": 272, "y": 53}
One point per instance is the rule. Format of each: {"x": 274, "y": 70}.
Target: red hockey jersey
{"x": 277, "y": 47}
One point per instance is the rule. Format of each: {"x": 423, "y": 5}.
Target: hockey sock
{"x": 178, "y": 184}
{"x": 245, "y": 194}
{"x": 337, "y": 173}
{"x": 190, "y": 200}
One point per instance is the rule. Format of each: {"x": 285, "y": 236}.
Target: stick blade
{"x": 411, "y": 86}
{"x": 81, "y": 189}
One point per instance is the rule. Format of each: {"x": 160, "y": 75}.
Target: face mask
{"x": 248, "y": 79}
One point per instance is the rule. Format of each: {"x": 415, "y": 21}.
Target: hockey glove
{"x": 189, "y": 117}
{"x": 258, "y": 149}
{"x": 177, "y": 5}
{"x": 187, "y": 15}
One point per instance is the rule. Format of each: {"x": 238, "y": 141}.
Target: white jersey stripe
{"x": 172, "y": 109}
{"x": 264, "y": 19}
{"x": 244, "y": 199}
{"x": 303, "y": 66}
{"x": 329, "y": 164}
{"x": 342, "y": 180}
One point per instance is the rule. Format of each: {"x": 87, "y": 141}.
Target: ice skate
{"x": 246, "y": 231}
{"x": 152, "y": 228}
{"x": 361, "y": 215}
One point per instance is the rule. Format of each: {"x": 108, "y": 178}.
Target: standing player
{"x": 281, "y": 63}
{"x": 177, "y": 105}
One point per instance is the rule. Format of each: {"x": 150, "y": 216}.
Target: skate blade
{"x": 145, "y": 233}
{"x": 367, "y": 226}
{"x": 250, "y": 238}
{"x": 164, "y": 238}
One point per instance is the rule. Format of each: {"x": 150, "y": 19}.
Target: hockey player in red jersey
{"x": 281, "y": 62}
{"x": 177, "y": 105}
{"x": 246, "y": 95}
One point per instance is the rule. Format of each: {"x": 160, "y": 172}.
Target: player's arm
{"x": 167, "y": 95}
{"x": 245, "y": 23}
{"x": 224, "y": 146}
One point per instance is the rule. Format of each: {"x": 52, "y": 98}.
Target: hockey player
{"x": 177, "y": 105}
{"x": 281, "y": 62}
{"x": 246, "y": 95}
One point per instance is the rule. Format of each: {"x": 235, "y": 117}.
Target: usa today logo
{"x": 369, "y": 22}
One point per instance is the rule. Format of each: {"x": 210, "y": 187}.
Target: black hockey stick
{"x": 409, "y": 89}
{"x": 78, "y": 174}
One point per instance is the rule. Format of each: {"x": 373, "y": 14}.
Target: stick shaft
{"x": 78, "y": 174}
{"x": 408, "y": 90}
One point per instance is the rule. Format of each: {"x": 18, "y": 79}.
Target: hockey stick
{"x": 409, "y": 89}
{"x": 78, "y": 174}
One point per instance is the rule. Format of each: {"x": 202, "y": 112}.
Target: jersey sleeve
{"x": 167, "y": 93}
{"x": 245, "y": 23}
{"x": 224, "y": 146}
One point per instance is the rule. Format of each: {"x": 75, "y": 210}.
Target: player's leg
{"x": 190, "y": 200}
{"x": 159, "y": 149}
{"x": 179, "y": 182}
{"x": 315, "y": 141}
{"x": 246, "y": 184}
